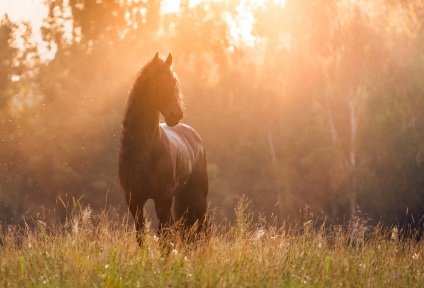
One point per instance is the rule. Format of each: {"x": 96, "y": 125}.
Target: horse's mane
{"x": 155, "y": 78}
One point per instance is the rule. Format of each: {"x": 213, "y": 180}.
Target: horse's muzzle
{"x": 171, "y": 123}
{"x": 173, "y": 118}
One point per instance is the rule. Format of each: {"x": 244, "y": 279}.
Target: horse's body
{"x": 163, "y": 162}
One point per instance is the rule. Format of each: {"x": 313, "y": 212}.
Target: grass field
{"x": 95, "y": 251}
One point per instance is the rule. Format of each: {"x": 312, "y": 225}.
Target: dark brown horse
{"x": 166, "y": 163}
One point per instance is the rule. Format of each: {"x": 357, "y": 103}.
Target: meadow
{"x": 96, "y": 250}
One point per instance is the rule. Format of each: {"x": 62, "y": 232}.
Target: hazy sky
{"x": 34, "y": 11}
{"x": 24, "y": 10}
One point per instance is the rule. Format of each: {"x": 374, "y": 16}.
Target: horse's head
{"x": 168, "y": 98}
{"x": 157, "y": 89}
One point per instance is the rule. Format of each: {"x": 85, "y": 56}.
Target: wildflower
{"x": 86, "y": 215}
{"x": 107, "y": 266}
{"x": 259, "y": 234}
{"x": 175, "y": 252}
{"x": 75, "y": 227}
{"x": 416, "y": 256}
{"x": 395, "y": 234}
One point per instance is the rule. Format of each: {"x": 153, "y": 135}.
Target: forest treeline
{"x": 319, "y": 104}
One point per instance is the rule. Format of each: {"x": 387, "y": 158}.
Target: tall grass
{"x": 94, "y": 251}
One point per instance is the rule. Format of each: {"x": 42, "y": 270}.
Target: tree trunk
{"x": 275, "y": 176}
{"x": 349, "y": 159}
{"x": 352, "y": 154}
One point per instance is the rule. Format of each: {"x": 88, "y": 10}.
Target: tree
{"x": 8, "y": 68}
{"x": 324, "y": 109}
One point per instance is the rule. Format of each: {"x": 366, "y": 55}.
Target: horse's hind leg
{"x": 190, "y": 208}
{"x": 190, "y": 205}
{"x": 136, "y": 205}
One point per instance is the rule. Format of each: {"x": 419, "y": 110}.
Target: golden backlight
{"x": 286, "y": 96}
{"x": 32, "y": 11}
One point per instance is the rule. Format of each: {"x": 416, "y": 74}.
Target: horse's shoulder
{"x": 189, "y": 130}
{"x": 181, "y": 130}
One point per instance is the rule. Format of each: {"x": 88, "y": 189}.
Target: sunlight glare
{"x": 240, "y": 25}
{"x": 170, "y": 6}
{"x": 29, "y": 11}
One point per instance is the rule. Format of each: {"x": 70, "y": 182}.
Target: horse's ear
{"x": 156, "y": 56}
{"x": 168, "y": 61}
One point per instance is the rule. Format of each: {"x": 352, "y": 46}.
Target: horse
{"x": 165, "y": 162}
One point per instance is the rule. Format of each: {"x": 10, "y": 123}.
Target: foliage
{"x": 324, "y": 109}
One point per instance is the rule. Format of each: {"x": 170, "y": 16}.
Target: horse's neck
{"x": 141, "y": 131}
